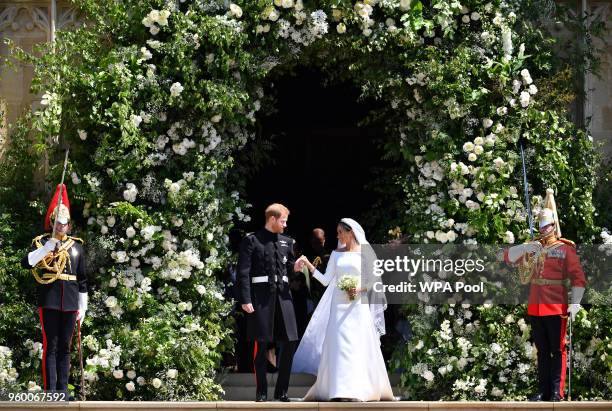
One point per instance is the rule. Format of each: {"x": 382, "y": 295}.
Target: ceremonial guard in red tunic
{"x": 57, "y": 261}
{"x": 552, "y": 268}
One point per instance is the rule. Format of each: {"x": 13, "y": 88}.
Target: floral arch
{"x": 155, "y": 98}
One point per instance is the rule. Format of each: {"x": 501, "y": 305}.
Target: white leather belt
{"x": 264, "y": 279}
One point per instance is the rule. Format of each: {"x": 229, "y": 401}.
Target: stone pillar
{"x": 26, "y": 23}
{"x": 598, "y": 105}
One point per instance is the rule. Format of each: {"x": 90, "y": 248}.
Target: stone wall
{"x": 26, "y": 23}
{"x": 599, "y": 101}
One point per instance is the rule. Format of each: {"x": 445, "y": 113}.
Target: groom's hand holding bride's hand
{"x": 301, "y": 262}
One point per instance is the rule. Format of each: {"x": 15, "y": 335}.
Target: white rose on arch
{"x": 176, "y": 89}
{"x": 235, "y": 10}
{"x": 130, "y": 193}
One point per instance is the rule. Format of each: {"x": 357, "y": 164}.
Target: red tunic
{"x": 560, "y": 263}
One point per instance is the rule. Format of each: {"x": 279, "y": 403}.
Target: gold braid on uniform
{"x": 317, "y": 261}
{"x": 530, "y": 266}
{"x": 53, "y": 262}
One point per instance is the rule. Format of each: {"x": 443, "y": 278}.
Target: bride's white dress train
{"x": 346, "y": 350}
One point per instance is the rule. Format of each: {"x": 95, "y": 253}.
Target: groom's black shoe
{"x": 537, "y": 397}
{"x": 261, "y": 397}
{"x": 556, "y": 397}
{"x": 283, "y": 397}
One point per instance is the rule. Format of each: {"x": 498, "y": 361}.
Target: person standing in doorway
{"x": 265, "y": 262}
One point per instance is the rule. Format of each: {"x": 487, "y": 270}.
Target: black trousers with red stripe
{"x": 549, "y": 336}
{"x": 284, "y": 358}
{"x": 57, "y": 329}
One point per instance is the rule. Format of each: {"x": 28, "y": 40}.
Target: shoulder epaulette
{"x": 568, "y": 242}
{"x": 80, "y": 240}
{"x": 35, "y": 239}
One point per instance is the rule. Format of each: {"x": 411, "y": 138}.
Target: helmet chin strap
{"x": 550, "y": 233}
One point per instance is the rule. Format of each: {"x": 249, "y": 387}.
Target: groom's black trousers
{"x": 285, "y": 351}
{"x": 284, "y": 357}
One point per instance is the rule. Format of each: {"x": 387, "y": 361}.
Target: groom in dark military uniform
{"x": 265, "y": 263}
{"x": 57, "y": 262}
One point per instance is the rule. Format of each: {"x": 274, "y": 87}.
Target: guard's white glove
{"x": 35, "y": 256}
{"x": 576, "y": 297}
{"x": 82, "y": 307}
{"x": 516, "y": 252}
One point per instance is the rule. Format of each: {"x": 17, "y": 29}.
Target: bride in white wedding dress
{"x": 341, "y": 344}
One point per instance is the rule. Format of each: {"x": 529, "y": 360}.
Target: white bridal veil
{"x": 308, "y": 354}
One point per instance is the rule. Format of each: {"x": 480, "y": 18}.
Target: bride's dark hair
{"x": 345, "y": 226}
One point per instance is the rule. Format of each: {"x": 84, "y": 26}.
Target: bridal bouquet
{"x": 349, "y": 284}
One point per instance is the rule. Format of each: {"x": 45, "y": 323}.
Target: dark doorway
{"x": 321, "y": 161}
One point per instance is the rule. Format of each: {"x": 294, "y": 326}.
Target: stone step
{"x": 241, "y": 386}
{"x": 314, "y": 406}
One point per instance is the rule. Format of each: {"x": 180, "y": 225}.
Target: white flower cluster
{"x": 8, "y": 374}
{"x": 299, "y": 33}
{"x": 430, "y": 173}
{"x": 607, "y": 242}
{"x": 113, "y": 305}
{"x": 182, "y": 147}
{"x": 156, "y": 19}
{"x": 210, "y": 133}
{"x": 49, "y": 99}
{"x": 422, "y": 370}
{"x": 179, "y": 266}
{"x": 105, "y": 359}
{"x": 34, "y": 348}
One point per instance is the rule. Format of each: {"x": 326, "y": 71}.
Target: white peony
{"x": 341, "y": 28}
{"x": 176, "y": 89}
{"x": 428, "y": 375}
{"x": 118, "y": 374}
{"x": 509, "y": 237}
{"x": 146, "y": 54}
{"x": 472, "y": 157}
{"x": 502, "y": 111}
{"x": 496, "y": 348}
{"x": 525, "y": 98}
{"x": 172, "y": 373}
{"x": 130, "y": 232}
{"x": 163, "y": 17}
{"x": 82, "y": 134}
{"x": 111, "y": 302}
{"x": 130, "y": 386}
{"x": 526, "y": 76}
{"x": 130, "y": 193}
{"x": 235, "y": 10}
{"x": 468, "y": 147}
